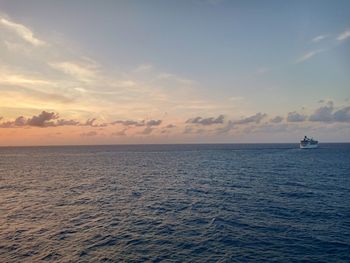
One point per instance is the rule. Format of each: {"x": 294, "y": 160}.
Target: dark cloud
{"x": 170, "y": 126}
{"x": 342, "y": 115}
{"x": 206, "y": 121}
{"x": 44, "y": 119}
{"x": 296, "y": 117}
{"x": 323, "y": 114}
{"x": 328, "y": 113}
{"x": 229, "y": 126}
{"x": 7, "y": 124}
{"x": 92, "y": 123}
{"x": 252, "y": 119}
{"x": 193, "y": 130}
{"x": 20, "y": 121}
{"x": 256, "y": 118}
{"x": 148, "y": 130}
{"x": 88, "y": 134}
{"x": 51, "y": 119}
{"x": 138, "y": 123}
{"x": 153, "y": 122}
{"x": 130, "y": 123}
{"x": 277, "y": 119}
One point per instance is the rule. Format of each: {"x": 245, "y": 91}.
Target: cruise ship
{"x": 308, "y": 143}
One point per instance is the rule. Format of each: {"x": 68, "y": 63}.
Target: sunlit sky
{"x": 195, "y": 71}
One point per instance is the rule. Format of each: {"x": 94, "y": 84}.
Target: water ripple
{"x": 175, "y": 203}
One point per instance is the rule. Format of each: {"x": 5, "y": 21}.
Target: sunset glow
{"x": 211, "y": 71}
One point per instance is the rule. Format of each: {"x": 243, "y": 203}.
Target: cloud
{"x": 22, "y": 31}
{"x": 81, "y": 72}
{"x": 51, "y": 119}
{"x": 20, "y": 79}
{"x": 342, "y": 115}
{"x": 295, "y": 117}
{"x": 187, "y": 130}
{"x": 344, "y": 35}
{"x": 153, "y": 122}
{"x": 143, "y": 68}
{"x": 92, "y": 123}
{"x": 147, "y": 131}
{"x": 64, "y": 122}
{"x": 323, "y": 114}
{"x": 130, "y": 123}
{"x": 206, "y": 121}
{"x": 319, "y": 38}
{"x": 254, "y": 118}
{"x": 148, "y": 124}
{"x": 277, "y": 119}
{"x": 42, "y": 120}
{"x": 328, "y": 113}
{"x": 170, "y": 126}
{"x": 20, "y": 121}
{"x": 193, "y": 130}
{"x": 119, "y": 133}
{"x": 88, "y": 134}
{"x": 138, "y": 123}
{"x": 309, "y": 55}
{"x": 222, "y": 130}
{"x": 231, "y": 124}
{"x": 9, "y": 124}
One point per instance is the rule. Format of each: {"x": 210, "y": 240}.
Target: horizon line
{"x": 152, "y": 144}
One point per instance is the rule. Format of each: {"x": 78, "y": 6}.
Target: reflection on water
{"x": 181, "y": 203}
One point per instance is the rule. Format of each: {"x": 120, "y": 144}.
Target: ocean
{"x": 175, "y": 203}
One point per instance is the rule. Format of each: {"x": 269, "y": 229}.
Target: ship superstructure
{"x": 308, "y": 143}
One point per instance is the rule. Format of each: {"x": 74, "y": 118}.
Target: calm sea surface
{"x": 175, "y": 203}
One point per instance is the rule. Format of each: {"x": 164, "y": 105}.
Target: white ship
{"x": 308, "y": 143}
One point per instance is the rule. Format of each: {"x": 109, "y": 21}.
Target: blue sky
{"x": 177, "y": 60}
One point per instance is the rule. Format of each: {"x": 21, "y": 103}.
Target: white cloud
{"x": 22, "y": 31}
{"x": 18, "y": 79}
{"x": 344, "y": 35}
{"x": 143, "y": 68}
{"x": 309, "y": 55}
{"x": 81, "y": 72}
{"x": 319, "y": 38}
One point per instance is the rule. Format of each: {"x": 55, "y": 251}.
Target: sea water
{"x": 175, "y": 203}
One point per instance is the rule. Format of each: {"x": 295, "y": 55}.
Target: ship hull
{"x": 308, "y": 146}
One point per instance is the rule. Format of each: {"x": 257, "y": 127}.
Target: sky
{"x": 196, "y": 71}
